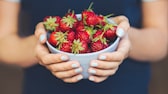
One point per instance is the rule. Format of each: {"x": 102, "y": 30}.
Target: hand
{"x": 108, "y": 63}
{"x": 58, "y": 64}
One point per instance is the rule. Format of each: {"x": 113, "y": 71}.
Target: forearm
{"x": 19, "y": 51}
{"x": 148, "y": 44}
{"x": 13, "y": 49}
{"x": 151, "y": 42}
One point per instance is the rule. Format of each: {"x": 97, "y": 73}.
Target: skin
{"x": 14, "y": 49}
{"x": 153, "y": 33}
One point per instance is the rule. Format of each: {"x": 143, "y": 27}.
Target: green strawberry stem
{"x": 109, "y": 15}
{"x": 77, "y": 46}
{"x": 69, "y": 21}
{"x": 50, "y": 24}
{"x": 61, "y": 37}
{"x": 90, "y": 6}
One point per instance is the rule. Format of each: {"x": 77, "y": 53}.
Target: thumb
{"x": 40, "y": 33}
{"x": 123, "y": 25}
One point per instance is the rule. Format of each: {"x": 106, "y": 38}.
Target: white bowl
{"x": 84, "y": 59}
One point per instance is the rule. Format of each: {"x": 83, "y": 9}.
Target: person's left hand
{"x": 108, "y": 63}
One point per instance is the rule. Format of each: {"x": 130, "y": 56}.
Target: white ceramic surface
{"x": 84, "y": 59}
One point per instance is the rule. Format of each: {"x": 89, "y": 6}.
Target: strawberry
{"x": 68, "y": 22}
{"x": 80, "y": 26}
{"x": 89, "y": 17}
{"x": 85, "y": 33}
{"x": 57, "y": 38}
{"x": 99, "y": 42}
{"x": 83, "y": 36}
{"x": 98, "y": 33}
{"x": 85, "y": 47}
{"x": 52, "y": 40}
{"x": 101, "y": 20}
{"x": 110, "y": 32}
{"x": 66, "y": 47}
{"x": 79, "y": 47}
{"x": 70, "y": 35}
{"x": 52, "y": 23}
{"x": 97, "y": 46}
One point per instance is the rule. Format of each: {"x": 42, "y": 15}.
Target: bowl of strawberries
{"x": 81, "y": 36}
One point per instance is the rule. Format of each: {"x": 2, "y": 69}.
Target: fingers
{"x": 53, "y": 58}
{"x": 123, "y": 25}
{"x": 73, "y": 79}
{"x": 116, "y": 56}
{"x": 56, "y": 63}
{"x": 42, "y": 53}
{"x": 63, "y": 66}
{"x": 40, "y": 32}
{"x": 97, "y": 79}
{"x": 68, "y": 73}
{"x": 70, "y": 76}
{"x": 103, "y": 64}
{"x": 102, "y": 72}
{"x": 99, "y": 75}
{"x": 124, "y": 46}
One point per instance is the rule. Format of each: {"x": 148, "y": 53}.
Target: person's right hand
{"x": 58, "y": 64}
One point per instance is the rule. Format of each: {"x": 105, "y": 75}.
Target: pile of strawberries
{"x": 90, "y": 33}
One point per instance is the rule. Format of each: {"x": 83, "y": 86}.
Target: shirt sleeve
{"x": 17, "y": 1}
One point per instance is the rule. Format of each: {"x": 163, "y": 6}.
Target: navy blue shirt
{"x": 132, "y": 76}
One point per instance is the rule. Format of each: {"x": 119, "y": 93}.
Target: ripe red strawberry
{"x": 57, "y": 38}
{"x": 98, "y": 33}
{"x": 66, "y": 47}
{"x": 101, "y": 20}
{"x": 110, "y": 33}
{"x": 52, "y": 39}
{"x": 85, "y": 46}
{"x": 97, "y": 46}
{"x": 68, "y": 22}
{"x": 99, "y": 42}
{"x": 80, "y": 26}
{"x": 70, "y": 35}
{"x": 79, "y": 47}
{"x": 89, "y": 17}
{"x": 52, "y": 23}
{"x": 83, "y": 36}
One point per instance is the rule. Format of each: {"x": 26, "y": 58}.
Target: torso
{"x": 132, "y": 76}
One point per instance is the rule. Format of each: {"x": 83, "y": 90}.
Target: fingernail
{"x": 94, "y": 64}
{"x": 92, "y": 71}
{"x": 120, "y": 32}
{"x": 102, "y": 57}
{"x": 78, "y": 70}
{"x": 80, "y": 77}
{"x": 74, "y": 65}
{"x": 42, "y": 37}
{"x": 64, "y": 58}
{"x": 91, "y": 78}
